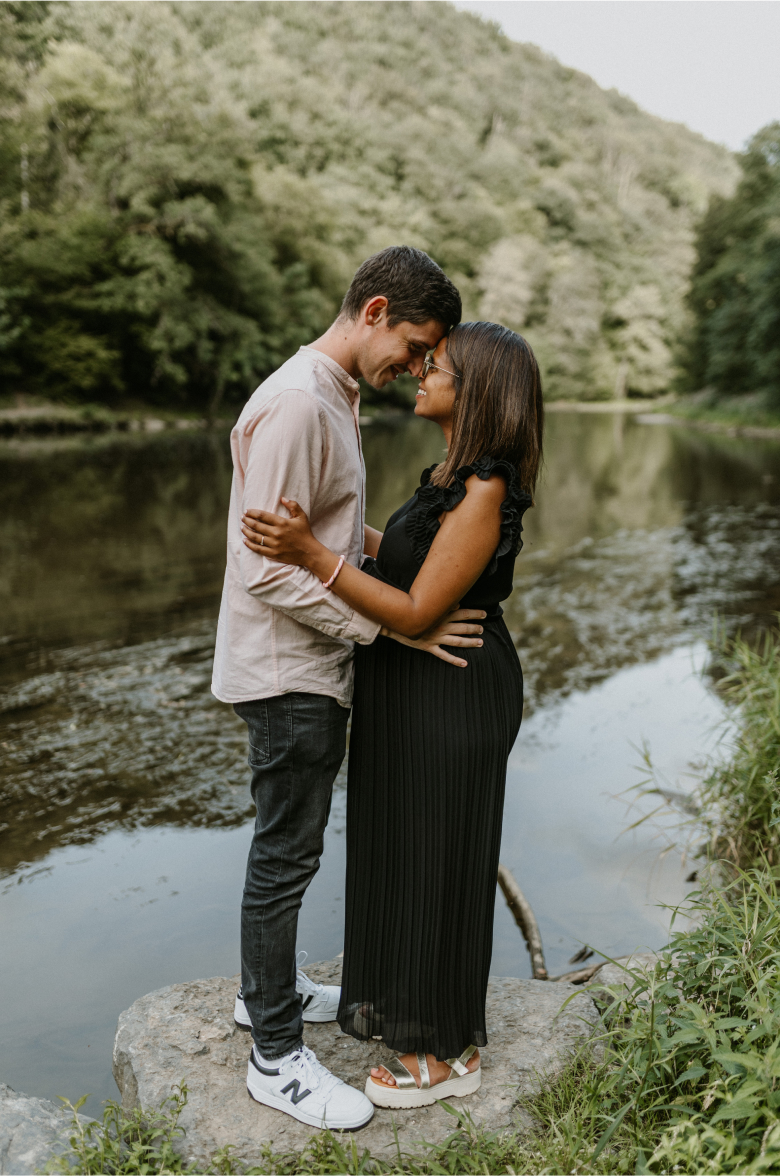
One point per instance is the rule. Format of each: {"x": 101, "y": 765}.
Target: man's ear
{"x": 375, "y": 311}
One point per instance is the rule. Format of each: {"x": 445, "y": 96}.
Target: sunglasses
{"x": 428, "y": 364}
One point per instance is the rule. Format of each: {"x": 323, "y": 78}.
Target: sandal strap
{"x": 459, "y": 1064}
{"x": 425, "y": 1078}
{"x": 404, "y": 1079}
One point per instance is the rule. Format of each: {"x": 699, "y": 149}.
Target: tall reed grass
{"x": 740, "y": 799}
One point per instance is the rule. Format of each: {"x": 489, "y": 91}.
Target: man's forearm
{"x": 299, "y": 594}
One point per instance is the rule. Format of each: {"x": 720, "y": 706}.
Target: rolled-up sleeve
{"x": 282, "y": 452}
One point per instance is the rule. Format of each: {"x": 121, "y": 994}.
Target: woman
{"x": 430, "y": 742}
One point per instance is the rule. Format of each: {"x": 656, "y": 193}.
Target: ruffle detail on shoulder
{"x": 422, "y": 521}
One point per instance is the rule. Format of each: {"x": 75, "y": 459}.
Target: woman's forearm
{"x": 388, "y": 606}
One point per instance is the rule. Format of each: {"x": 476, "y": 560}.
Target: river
{"x": 125, "y": 812}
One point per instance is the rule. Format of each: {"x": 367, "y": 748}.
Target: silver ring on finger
{"x": 262, "y": 540}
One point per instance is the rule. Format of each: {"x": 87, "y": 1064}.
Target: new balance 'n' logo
{"x": 296, "y": 1095}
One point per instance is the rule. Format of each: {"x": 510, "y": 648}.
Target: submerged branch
{"x": 526, "y": 921}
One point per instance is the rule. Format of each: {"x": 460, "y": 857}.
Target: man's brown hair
{"x": 416, "y": 289}
{"x": 498, "y": 402}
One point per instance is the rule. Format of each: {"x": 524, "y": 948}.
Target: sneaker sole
{"x": 319, "y": 1017}
{"x": 281, "y": 1104}
{"x": 391, "y": 1096}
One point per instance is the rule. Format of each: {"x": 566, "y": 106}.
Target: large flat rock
{"x": 185, "y": 1033}
{"x": 32, "y": 1130}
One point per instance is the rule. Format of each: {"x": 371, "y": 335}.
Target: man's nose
{"x": 415, "y": 366}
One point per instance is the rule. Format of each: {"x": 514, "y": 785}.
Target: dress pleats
{"x": 427, "y": 771}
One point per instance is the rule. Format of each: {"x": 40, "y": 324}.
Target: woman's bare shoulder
{"x": 482, "y": 501}
{"x": 486, "y": 492}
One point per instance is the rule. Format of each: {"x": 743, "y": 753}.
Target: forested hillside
{"x": 186, "y": 189}
{"x": 735, "y": 293}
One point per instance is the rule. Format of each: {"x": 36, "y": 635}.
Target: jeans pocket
{"x": 255, "y": 715}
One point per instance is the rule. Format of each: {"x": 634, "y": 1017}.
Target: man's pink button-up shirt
{"x": 279, "y": 629}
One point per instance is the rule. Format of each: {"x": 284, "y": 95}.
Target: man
{"x": 285, "y": 645}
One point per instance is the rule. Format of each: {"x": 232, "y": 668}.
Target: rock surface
{"x": 618, "y": 978}
{"x": 31, "y": 1131}
{"x": 185, "y": 1033}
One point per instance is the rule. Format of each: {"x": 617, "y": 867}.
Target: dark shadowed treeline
{"x": 735, "y": 295}
{"x": 186, "y": 189}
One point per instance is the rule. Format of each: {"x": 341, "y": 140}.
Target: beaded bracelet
{"x": 331, "y": 581}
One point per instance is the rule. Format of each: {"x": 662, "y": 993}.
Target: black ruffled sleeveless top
{"x": 411, "y": 530}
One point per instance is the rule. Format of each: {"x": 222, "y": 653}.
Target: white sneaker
{"x": 302, "y": 1087}
{"x": 320, "y": 1001}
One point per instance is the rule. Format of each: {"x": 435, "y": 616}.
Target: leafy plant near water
{"x": 698, "y": 1042}
{"x": 124, "y": 1142}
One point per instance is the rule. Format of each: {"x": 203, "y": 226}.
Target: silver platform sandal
{"x": 406, "y": 1092}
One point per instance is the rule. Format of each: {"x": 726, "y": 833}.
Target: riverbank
{"x": 30, "y": 417}
{"x": 44, "y": 419}
{"x": 597, "y": 407}
{"x": 40, "y": 419}
{"x": 738, "y": 417}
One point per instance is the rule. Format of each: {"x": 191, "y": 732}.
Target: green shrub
{"x": 698, "y": 1043}
{"x": 124, "y": 1142}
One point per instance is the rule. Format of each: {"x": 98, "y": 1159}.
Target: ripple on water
{"x": 119, "y": 737}
{"x": 579, "y": 616}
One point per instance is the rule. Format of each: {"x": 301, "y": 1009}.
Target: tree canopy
{"x": 187, "y": 188}
{"x": 735, "y": 291}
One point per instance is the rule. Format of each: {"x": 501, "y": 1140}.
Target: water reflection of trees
{"x": 110, "y": 541}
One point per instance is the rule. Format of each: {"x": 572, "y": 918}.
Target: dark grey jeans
{"x": 296, "y": 745}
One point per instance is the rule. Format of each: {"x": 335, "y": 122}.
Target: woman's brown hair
{"x": 498, "y": 404}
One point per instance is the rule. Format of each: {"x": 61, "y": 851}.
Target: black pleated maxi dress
{"x": 425, "y": 795}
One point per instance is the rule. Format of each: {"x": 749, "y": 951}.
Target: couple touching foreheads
{"x": 314, "y": 598}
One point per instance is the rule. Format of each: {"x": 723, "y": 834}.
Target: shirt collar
{"x": 350, "y": 386}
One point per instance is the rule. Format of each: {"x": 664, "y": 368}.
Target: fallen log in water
{"x": 526, "y": 921}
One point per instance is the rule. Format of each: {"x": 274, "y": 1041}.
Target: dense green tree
{"x": 188, "y": 188}
{"x": 735, "y": 292}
